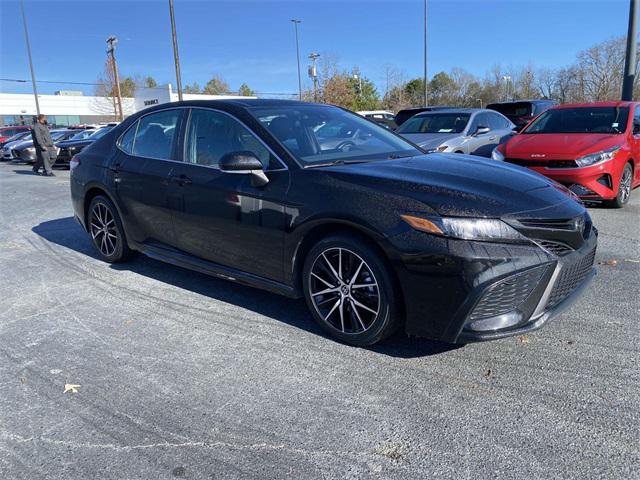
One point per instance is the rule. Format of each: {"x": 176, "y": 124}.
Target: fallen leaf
{"x": 611, "y": 263}
{"x": 68, "y": 387}
{"x": 523, "y": 339}
{"x": 128, "y": 322}
{"x": 488, "y": 373}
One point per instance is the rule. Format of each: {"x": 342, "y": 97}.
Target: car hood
{"x": 429, "y": 140}
{"x": 559, "y": 145}
{"x": 23, "y": 144}
{"x": 14, "y": 144}
{"x": 464, "y": 186}
{"x": 74, "y": 143}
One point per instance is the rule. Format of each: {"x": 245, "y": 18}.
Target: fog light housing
{"x": 498, "y": 322}
{"x": 580, "y": 190}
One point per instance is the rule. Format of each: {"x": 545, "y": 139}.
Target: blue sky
{"x": 253, "y": 41}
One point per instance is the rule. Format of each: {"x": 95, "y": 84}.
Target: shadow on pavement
{"x": 67, "y": 233}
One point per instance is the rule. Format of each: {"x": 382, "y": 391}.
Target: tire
{"x": 361, "y": 308}
{"x": 105, "y": 229}
{"x": 624, "y": 188}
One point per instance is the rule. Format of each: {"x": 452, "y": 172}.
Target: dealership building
{"x": 72, "y": 108}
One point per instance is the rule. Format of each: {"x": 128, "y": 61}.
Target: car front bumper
{"x": 464, "y": 291}
{"x": 596, "y": 182}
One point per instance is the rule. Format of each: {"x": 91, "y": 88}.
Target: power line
{"x": 20, "y": 80}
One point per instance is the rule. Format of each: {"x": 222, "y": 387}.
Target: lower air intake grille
{"x": 507, "y": 294}
{"x": 557, "y": 248}
{"x": 571, "y": 276}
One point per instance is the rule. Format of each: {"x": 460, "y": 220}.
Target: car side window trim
{"x": 233, "y": 117}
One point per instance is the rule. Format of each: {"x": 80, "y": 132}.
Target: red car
{"x": 591, "y": 148}
{"x": 7, "y": 132}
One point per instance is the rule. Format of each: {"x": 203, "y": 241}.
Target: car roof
{"x": 597, "y": 104}
{"x": 524, "y": 100}
{"x": 453, "y": 110}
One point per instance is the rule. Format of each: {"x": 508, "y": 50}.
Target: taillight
{"x": 74, "y": 162}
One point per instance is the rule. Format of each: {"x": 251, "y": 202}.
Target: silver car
{"x": 473, "y": 131}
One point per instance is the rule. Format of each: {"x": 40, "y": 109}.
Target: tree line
{"x": 595, "y": 75}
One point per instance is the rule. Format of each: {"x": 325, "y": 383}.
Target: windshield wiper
{"x": 334, "y": 163}
{"x": 394, "y": 156}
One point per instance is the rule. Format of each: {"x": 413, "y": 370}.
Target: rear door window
{"x": 156, "y": 135}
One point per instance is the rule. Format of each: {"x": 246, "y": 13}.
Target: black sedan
{"x": 68, "y": 148}
{"x": 377, "y": 238}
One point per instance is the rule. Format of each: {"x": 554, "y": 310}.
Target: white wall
{"x": 25, "y": 104}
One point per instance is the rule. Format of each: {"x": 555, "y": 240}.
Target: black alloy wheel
{"x": 349, "y": 291}
{"x": 106, "y": 230}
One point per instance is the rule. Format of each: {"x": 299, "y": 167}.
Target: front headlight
{"x": 497, "y": 155}
{"x": 441, "y": 148}
{"x": 598, "y": 157}
{"x": 483, "y": 229}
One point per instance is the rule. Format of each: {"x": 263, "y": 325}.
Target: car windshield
{"x": 581, "y": 120}
{"x": 18, "y": 136}
{"x": 516, "y": 109}
{"x": 83, "y": 134}
{"x": 58, "y": 135}
{"x": 320, "y": 134}
{"x": 101, "y": 132}
{"x": 436, "y": 123}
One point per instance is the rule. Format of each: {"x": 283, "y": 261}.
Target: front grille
{"x": 557, "y": 248}
{"x": 571, "y": 276}
{"x": 542, "y": 163}
{"x": 508, "y": 294}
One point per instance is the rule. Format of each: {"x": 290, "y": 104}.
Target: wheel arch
{"x": 323, "y": 228}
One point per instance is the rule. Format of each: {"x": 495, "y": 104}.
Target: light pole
{"x": 295, "y": 26}
{"x": 507, "y": 80}
{"x": 479, "y": 102}
{"x": 630, "y": 58}
{"x": 176, "y": 57}
{"x": 426, "y": 85}
{"x": 112, "y": 41}
{"x": 313, "y": 73}
{"x": 33, "y": 75}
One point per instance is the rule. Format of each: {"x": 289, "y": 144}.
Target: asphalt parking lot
{"x": 185, "y": 376}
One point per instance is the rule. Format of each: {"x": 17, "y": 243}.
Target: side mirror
{"x": 636, "y": 127}
{"x": 481, "y": 131}
{"x": 244, "y": 163}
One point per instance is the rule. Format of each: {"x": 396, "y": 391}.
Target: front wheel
{"x": 106, "y": 230}
{"x": 349, "y": 290}
{"x": 624, "y": 188}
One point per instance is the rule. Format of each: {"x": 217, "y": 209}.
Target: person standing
{"x": 43, "y": 144}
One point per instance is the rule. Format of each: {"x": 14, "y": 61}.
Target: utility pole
{"x": 313, "y": 73}
{"x": 176, "y": 57}
{"x": 426, "y": 84}
{"x": 112, "y": 41}
{"x": 295, "y": 25}
{"x": 33, "y": 75}
{"x": 630, "y": 58}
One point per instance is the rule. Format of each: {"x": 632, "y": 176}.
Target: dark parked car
{"x": 26, "y": 152}
{"x": 404, "y": 115}
{"x": 68, "y": 148}
{"x": 521, "y": 112}
{"x": 378, "y": 238}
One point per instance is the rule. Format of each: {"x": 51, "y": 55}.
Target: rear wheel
{"x": 349, "y": 290}
{"x": 106, "y": 231}
{"x": 624, "y": 188}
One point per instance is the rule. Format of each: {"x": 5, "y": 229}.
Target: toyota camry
{"x": 376, "y": 238}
